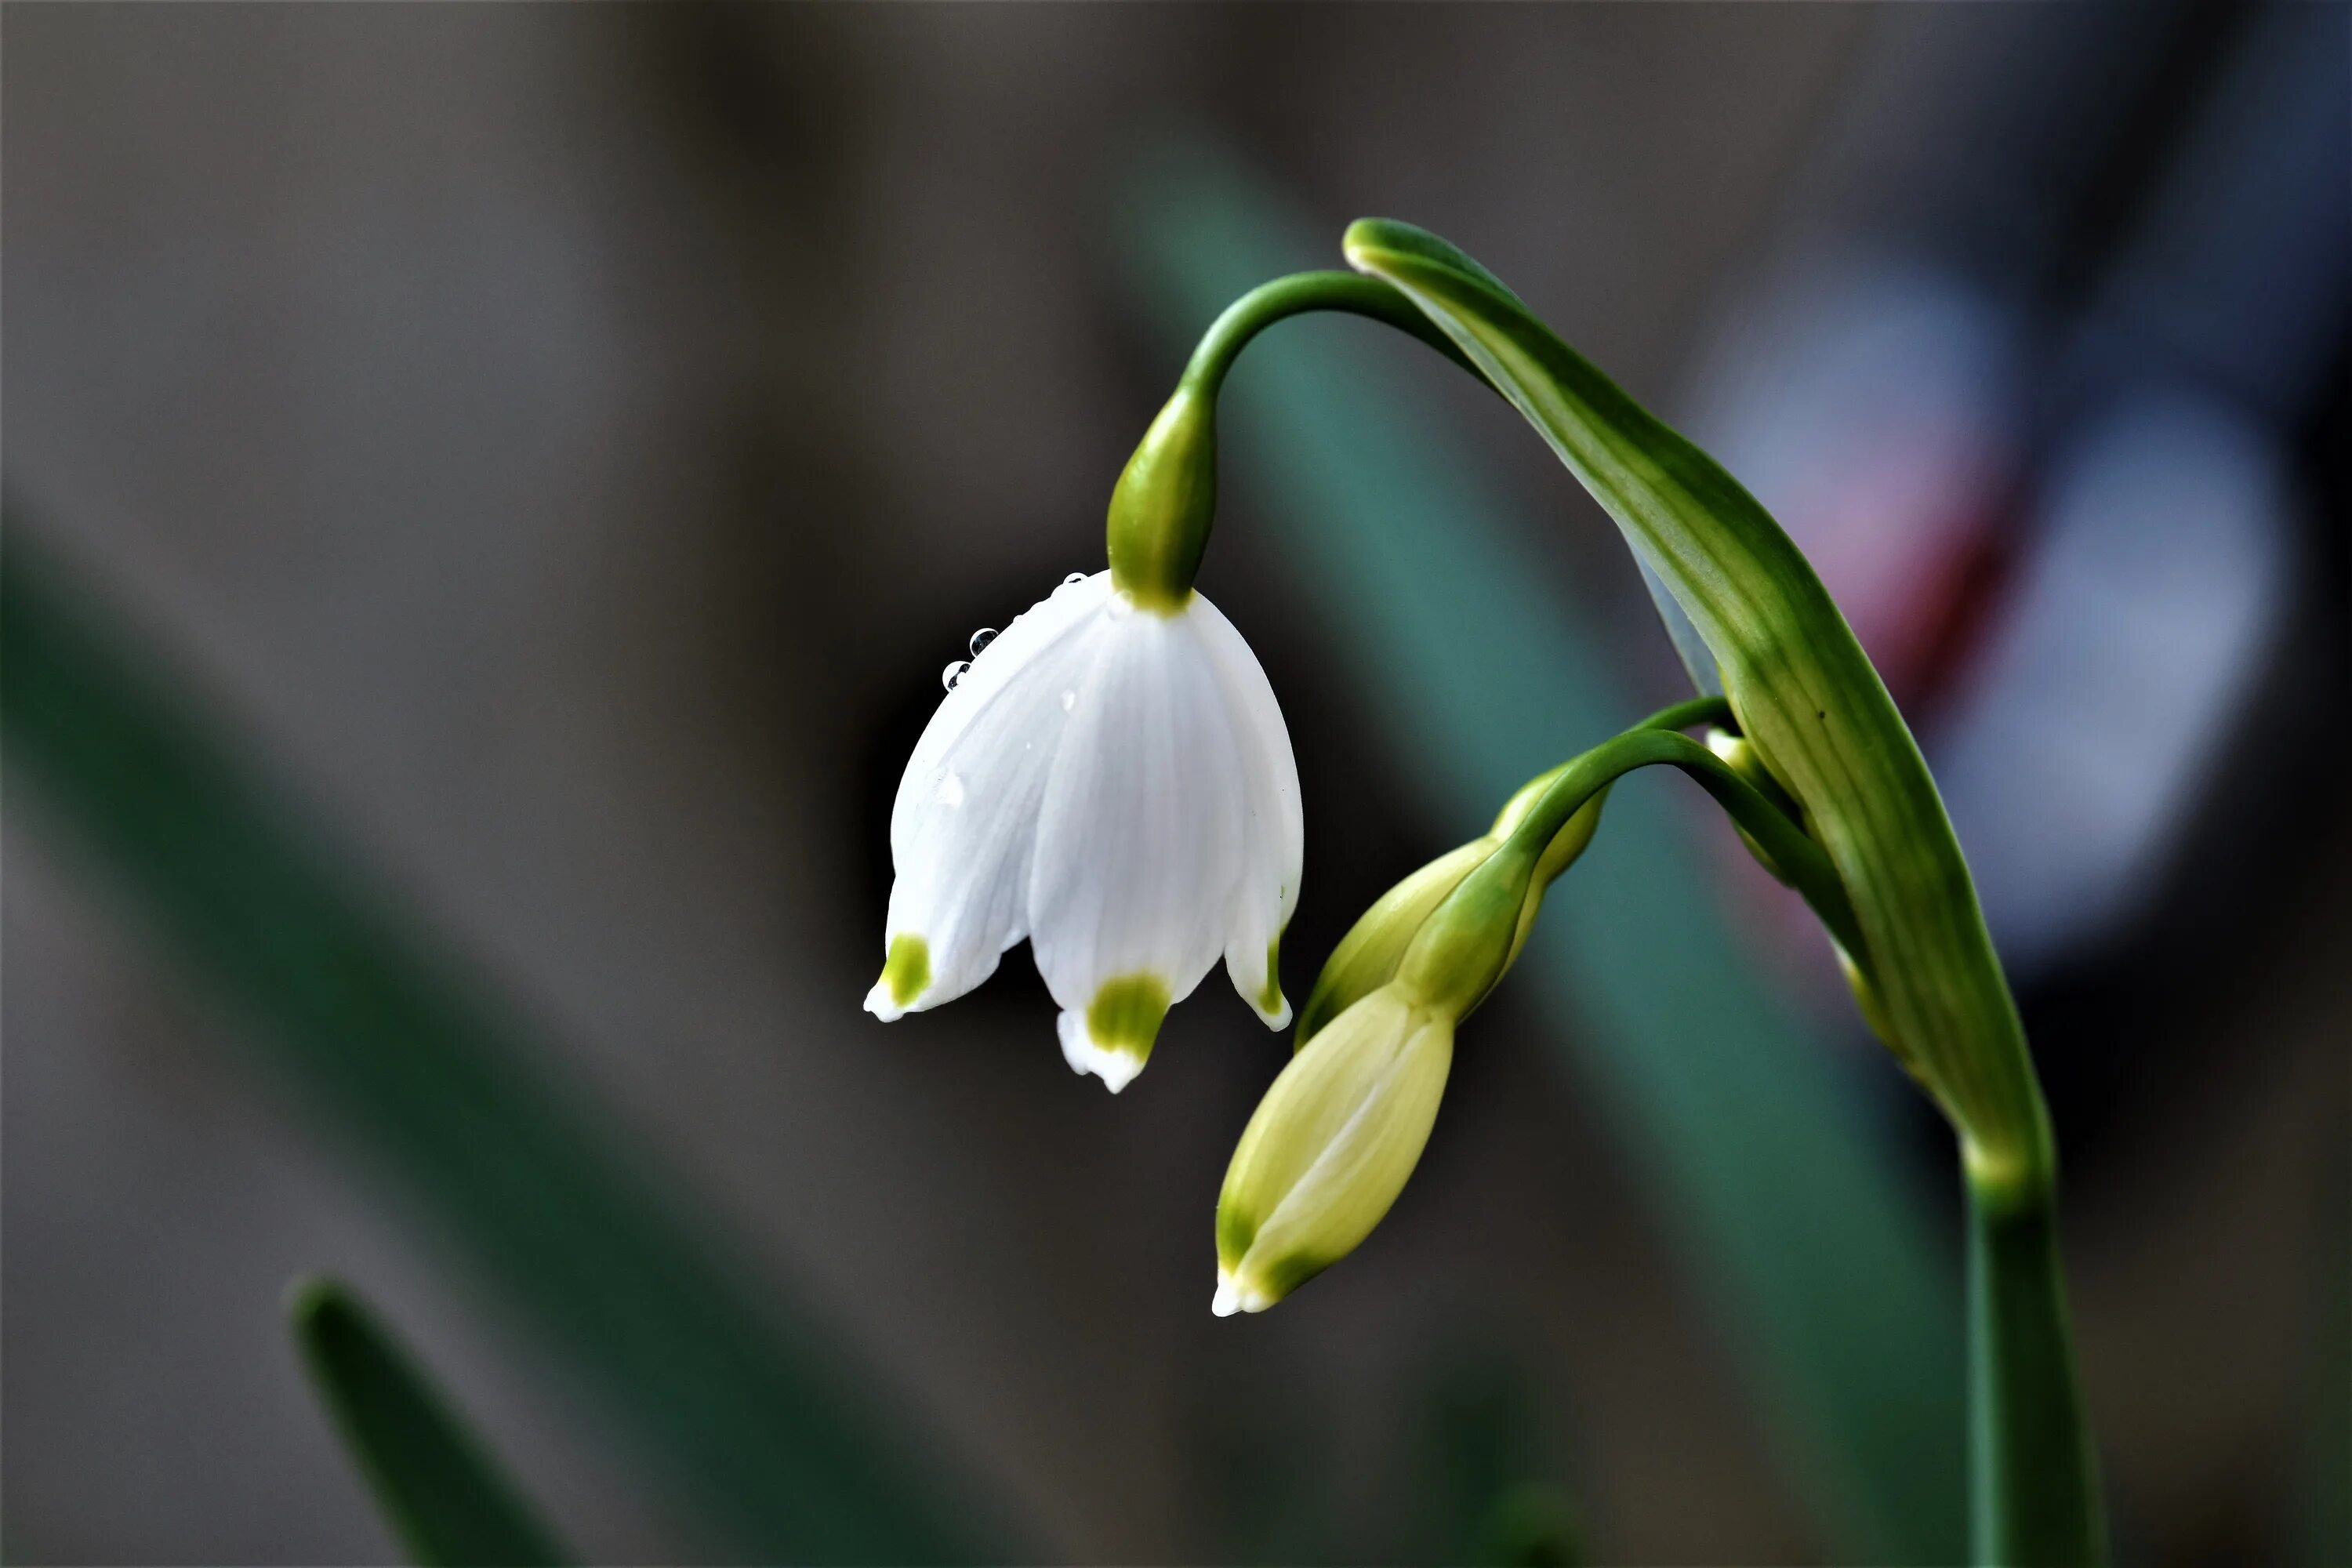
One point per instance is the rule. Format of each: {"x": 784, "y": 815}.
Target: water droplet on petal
{"x": 982, "y": 638}
{"x": 1069, "y": 700}
{"x": 950, "y": 790}
{"x": 954, "y": 673}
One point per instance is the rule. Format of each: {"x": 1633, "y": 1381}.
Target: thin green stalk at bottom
{"x": 2034, "y": 1495}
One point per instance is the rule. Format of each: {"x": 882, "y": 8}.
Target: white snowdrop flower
{"x": 1113, "y": 782}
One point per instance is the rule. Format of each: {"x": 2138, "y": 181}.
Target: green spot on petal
{"x": 1126, "y": 1013}
{"x": 908, "y": 971}
{"x": 1269, "y": 999}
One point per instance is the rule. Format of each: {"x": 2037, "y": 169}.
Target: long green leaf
{"x": 2034, "y": 1503}
{"x": 1790, "y": 1205}
{"x": 444, "y": 1497}
{"x": 1823, "y": 724}
{"x": 752, "y": 1416}
{"x": 1806, "y": 694}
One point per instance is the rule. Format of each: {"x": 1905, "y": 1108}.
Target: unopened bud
{"x": 1368, "y": 956}
{"x": 1365, "y": 958}
{"x": 1329, "y": 1147}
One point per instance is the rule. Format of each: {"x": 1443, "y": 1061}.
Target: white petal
{"x": 1138, "y": 838}
{"x": 1035, "y": 632}
{"x": 1275, "y": 830}
{"x": 963, "y": 826}
{"x": 1116, "y": 1069}
{"x": 1233, "y": 1296}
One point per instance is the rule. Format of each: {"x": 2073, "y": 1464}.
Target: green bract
{"x": 1805, "y": 695}
{"x": 1163, "y": 505}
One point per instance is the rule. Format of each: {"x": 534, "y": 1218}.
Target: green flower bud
{"x": 1368, "y": 956}
{"x": 1467, "y": 942}
{"x": 1331, "y": 1144}
{"x": 1165, "y": 500}
{"x": 1329, "y": 1147}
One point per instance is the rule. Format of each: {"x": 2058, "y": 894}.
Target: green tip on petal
{"x": 905, "y": 976}
{"x": 1114, "y": 1039}
{"x": 1270, "y": 996}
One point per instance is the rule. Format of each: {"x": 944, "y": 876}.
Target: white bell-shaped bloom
{"x": 1116, "y": 785}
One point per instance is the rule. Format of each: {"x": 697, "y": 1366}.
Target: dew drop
{"x": 954, "y": 673}
{"x": 950, "y": 790}
{"x": 982, "y": 638}
{"x": 1069, "y": 700}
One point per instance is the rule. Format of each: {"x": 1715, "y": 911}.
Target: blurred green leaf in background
{"x": 747, "y": 1412}
{"x": 438, "y": 1488}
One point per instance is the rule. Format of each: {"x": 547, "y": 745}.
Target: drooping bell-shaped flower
{"x": 1110, "y": 778}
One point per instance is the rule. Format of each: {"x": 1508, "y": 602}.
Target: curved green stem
{"x": 1690, "y": 714}
{"x": 1678, "y": 716}
{"x": 1297, "y": 294}
{"x": 2033, "y": 1495}
{"x": 1166, "y": 499}
{"x": 1797, "y": 857}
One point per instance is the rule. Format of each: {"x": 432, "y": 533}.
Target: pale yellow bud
{"x": 1329, "y": 1147}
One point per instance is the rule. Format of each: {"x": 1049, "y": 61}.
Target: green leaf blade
{"x": 1805, "y": 692}
{"x": 443, "y": 1496}
{"x": 759, "y": 1421}
{"x": 1787, "y": 1203}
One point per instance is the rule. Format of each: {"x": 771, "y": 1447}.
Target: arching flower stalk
{"x": 1129, "y": 862}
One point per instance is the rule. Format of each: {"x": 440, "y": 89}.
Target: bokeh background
{"x": 491, "y": 491}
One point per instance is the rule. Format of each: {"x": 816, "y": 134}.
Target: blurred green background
{"x": 489, "y": 492}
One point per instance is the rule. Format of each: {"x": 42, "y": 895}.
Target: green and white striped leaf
{"x": 1805, "y": 691}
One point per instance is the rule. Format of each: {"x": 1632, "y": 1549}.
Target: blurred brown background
{"x": 566, "y": 442}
